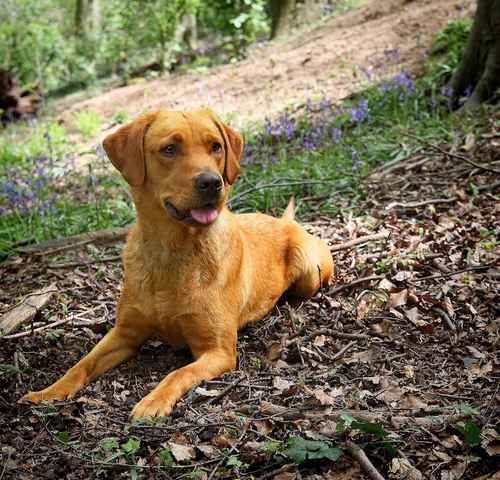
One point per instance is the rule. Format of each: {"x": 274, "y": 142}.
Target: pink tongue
{"x": 204, "y": 215}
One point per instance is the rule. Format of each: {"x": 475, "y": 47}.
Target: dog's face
{"x": 181, "y": 162}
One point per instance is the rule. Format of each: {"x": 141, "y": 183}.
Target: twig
{"x": 343, "y": 350}
{"x": 113, "y": 258}
{"x": 39, "y": 329}
{"x": 451, "y": 154}
{"x": 446, "y": 318}
{"x": 334, "y": 334}
{"x": 355, "y": 282}
{"x": 273, "y": 473}
{"x": 357, "y": 241}
{"x": 451, "y": 274}
{"x": 101, "y": 236}
{"x": 220, "y": 395}
{"x": 276, "y": 185}
{"x": 421, "y": 204}
{"x": 364, "y": 461}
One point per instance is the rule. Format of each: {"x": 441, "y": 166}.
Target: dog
{"x": 194, "y": 272}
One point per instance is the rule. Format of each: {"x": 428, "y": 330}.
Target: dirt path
{"x": 322, "y": 61}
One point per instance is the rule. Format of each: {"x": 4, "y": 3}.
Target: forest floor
{"x": 399, "y": 356}
{"x": 330, "y": 60}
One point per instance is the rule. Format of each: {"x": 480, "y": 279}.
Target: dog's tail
{"x": 289, "y": 212}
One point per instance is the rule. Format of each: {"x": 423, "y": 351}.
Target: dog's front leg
{"x": 119, "y": 344}
{"x": 207, "y": 366}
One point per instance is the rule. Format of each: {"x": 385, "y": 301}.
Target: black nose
{"x": 208, "y": 183}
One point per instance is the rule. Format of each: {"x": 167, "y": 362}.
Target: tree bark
{"x": 479, "y": 70}
{"x": 282, "y": 16}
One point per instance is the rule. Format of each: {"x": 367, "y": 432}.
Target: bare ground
{"x": 414, "y": 350}
{"x": 321, "y": 61}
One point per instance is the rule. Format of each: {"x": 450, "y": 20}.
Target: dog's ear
{"x": 234, "y": 151}
{"x": 233, "y": 143}
{"x": 125, "y": 149}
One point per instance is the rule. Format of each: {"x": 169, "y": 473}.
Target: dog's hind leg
{"x": 119, "y": 344}
{"x": 311, "y": 265}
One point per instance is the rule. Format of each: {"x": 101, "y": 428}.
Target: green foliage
{"x": 166, "y": 457}
{"x": 299, "y": 450}
{"x": 62, "y": 437}
{"x": 87, "y": 123}
{"x": 8, "y": 369}
{"x": 131, "y": 446}
{"x": 447, "y": 49}
{"x": 109, "y": 444}
{"x": 471, "y": 432}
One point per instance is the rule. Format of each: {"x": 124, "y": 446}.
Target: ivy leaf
{"x": 470, "y": 431}
{"x": 62, "y": 437}
{"x": 131, "y": 446}
{"x": 234, "y": 461}
{"x": 299, "y": 450}
{"x": 109, "y": 444}
{"x": 370, "y": 427}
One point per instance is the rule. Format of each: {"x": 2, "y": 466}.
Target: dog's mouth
{"x": 204, "y": 215}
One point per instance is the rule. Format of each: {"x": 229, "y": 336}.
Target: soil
{"x": 322, "y": 61}
{"x": 405, "y": 341}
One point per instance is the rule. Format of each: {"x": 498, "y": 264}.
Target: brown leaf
{"x": 208, "y": 450}
{"x": 398, "y": 299}
{"x": 182, "y": 453}
{"x": 274, "y": 351}
{"x": 223, "y": 441}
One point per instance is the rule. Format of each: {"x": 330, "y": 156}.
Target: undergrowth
{"x": 319, "y": 155}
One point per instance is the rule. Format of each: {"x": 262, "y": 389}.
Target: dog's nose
{"x": 208, "y": 183}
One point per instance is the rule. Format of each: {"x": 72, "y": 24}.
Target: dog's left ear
{"x": 233, "y": 143}
{"x": 125, "y": 149}
{"x": 234, "y": 149}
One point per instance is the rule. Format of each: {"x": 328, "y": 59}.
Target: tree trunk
{"x": 478, "y": 73}
{"x": 282, "y": 16}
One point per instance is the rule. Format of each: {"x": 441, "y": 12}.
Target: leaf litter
{"x": 404, "y": 364}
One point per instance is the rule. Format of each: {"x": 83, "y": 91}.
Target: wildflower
{"x": 404, "y": 81}
{"x": 356, "y": 160}
{"x": 358, "y": 115}
{"x": 335, "y": 134}
{"x": 447, "y": 91}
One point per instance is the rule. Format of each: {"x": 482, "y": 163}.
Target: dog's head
{"x": 181, "y": 162}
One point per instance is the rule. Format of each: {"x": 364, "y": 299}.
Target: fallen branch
{"x": 420, "y": 204}
{"x": 358, "y": 453}
{"x": 354, "y": 282}
{"x": 107, "y": 235}
{"x": 334, "y": 334}
{"x": 113, "y": 258}
{"x": 446, "y": 318}
{"x": 343, "y": 350}
{"x": 39, "y": 329}
{"x": 357, "y": 241}
{"x": 26, "y": 309}
{"x": 478, "y": 268}
{"x": 276, "y": 185}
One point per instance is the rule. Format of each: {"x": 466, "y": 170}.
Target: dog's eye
{"x": 169, "y": 150}
{"x": 216, "y": 147}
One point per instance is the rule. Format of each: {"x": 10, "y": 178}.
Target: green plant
{"x": 299, "y": 450}
{"x": 87, "y": 123}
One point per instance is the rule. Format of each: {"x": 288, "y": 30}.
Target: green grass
{"x": 87, "y": 123}
{"x": 326, "y": 158}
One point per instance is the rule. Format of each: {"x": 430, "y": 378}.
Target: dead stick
{"x": 355, "y": 282}
{"x": 86, "y": 263}
{"x": 357, "y": 241}
{"x": 45, "y": 327}
{"x": 446, "y": 318}
{"x": 364, "y": 461}
{"x": 420, "y": 204}
{"x": 334, "y": 334}
{"x": 343, "y": 350}
{"x": 478, "y": 268}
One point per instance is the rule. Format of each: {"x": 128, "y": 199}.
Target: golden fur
{"x": 192, "y": 284}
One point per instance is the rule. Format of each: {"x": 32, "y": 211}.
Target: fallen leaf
{"x": 274, "y": 351}
{"x": 398, "y": 299}
{"x": 208, "y": 450}
{"x": 414, "y": 316}
{"x": 401, "y": 468}
{"x": 182, "y": 453}
{"x": 207, "y": 393}
{"x": 402, "y": 276}
{"x": 320, "y": 340}
{"x": 281, "y": 384}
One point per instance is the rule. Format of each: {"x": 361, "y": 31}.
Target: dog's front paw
{"x": 154, "y": 405}
{"x": 54, "y": 392}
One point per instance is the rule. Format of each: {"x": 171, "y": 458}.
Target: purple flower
{"x": 356, "y": 160}
{"x": 335, "y": 134}
{"x": 447, "y": 91}
{"x": 404, "y": 81}
{"x": 358, "y": 115}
